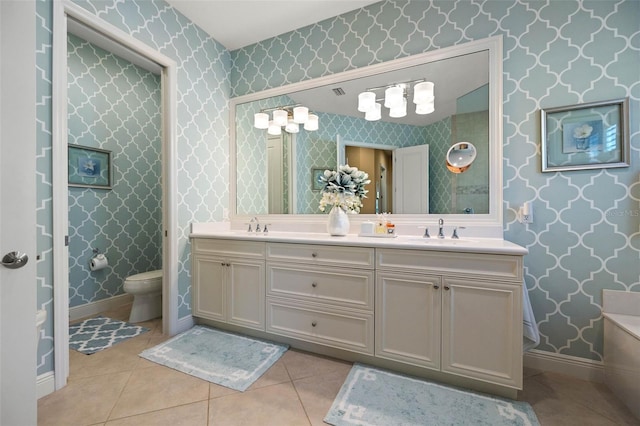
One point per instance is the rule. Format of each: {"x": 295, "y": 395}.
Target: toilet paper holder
{"x": 98, "y": 261}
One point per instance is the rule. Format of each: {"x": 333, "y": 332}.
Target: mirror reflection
{"x": 404, "y": 153}
{"x": 460, "y": 156}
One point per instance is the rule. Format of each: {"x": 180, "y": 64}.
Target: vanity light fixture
{"x": 395, "y": 99}
{"x": 287, "y": 117}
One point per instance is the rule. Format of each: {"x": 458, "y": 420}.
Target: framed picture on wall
{"x": 89, "y": 167}
{"x": 316, "y": 173}
{"x": 587, "y": 136}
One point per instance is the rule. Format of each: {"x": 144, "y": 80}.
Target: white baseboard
{"x": 580, "y": 368}
{"x": 94, "y": 308}
{"x": 185, "y": 323}
{"x": 45, "y": 384}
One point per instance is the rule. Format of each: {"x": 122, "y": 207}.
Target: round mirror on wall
{"x": 460, "y": 157}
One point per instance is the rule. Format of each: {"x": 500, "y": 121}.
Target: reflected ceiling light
{"x": 366, "y": 101}
{"x": 300, "y": 114}
{"x": 274, "y": 129}
{"x": 375, "y": 113}
{"x": 287, "y": 117}
{"x": 312, "y": 123}
{"x": 261, "y": 120}
{"x": 395, "y": 98}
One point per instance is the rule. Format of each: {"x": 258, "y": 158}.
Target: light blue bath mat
{"x": 95, "y": 334}
{"x": 219, "y": 357}
{"x": 375, "y": 397}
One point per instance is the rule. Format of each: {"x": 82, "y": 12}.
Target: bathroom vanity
{"x": 450, "y": 310}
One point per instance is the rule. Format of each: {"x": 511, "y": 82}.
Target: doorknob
{"x": 15, "y": 260}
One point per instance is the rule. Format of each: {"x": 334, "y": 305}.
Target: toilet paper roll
{"x": 98, "y": 262}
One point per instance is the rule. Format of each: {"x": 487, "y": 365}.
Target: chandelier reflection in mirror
{"x": 287, "y": 117}
{"x": 395, "y": 99}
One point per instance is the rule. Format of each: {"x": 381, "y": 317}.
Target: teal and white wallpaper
{"x": 116, "y": 106}
{"x": 586, "y": 233}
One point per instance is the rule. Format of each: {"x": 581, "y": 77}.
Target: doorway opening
{"x": 70, "y": 18}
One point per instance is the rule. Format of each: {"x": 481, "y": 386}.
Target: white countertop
{"x": 413, "y": 242}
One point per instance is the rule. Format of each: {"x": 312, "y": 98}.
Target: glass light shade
{"x": 274, "y": 129}
{"x": 393, "y": 96}
{"x": 423, "y": 92}
{"x": 399, "y": 111}
{"x": 261, "y": 120}
{"x": 366, "y": 101}
{"x": 312, "y": 123}
{"x": 300, "y": 114}
{"x": 292, "y": 126}
{"x": 375, "y": 113}
{"x": 425, "y": 108}
{"x": 280, "y": 117}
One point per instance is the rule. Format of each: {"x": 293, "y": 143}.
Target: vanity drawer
{"x": 229, "y": 248}
{"x": 490, "y": 265}
{"x": 349, "y": 287}
{"x": 351, "y": 257}
{"x": 327, "y": 326}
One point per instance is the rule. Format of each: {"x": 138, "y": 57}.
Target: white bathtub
{"x": 621, "y": 311}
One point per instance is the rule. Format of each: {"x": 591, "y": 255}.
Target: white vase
{"x": 338, "y": 223}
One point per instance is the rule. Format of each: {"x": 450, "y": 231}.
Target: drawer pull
{"x": 314, "y": 323}
{"x": 446, "y": 287}
{"x": 314, "y": 254}
{"x": 314, "y": 284}
{"x": 436, "y": 287}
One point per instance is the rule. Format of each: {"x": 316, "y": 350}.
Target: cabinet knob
{"x": 314, "y": 254}
{"x": 314, "y": 284}
{"x": 436, "y": 287}
{"x": 314, "y": 323}
{"x": 446, "y": 287}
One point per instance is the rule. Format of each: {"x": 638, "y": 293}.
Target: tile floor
{"x": 116, "y": 387}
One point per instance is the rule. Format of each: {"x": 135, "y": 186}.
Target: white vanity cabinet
{"x": 229, "y": 281}
{"x": 457, "y": 314}
{"x": 322, "y": 294}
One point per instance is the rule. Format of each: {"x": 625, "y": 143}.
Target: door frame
{"x": 61, "y": 10}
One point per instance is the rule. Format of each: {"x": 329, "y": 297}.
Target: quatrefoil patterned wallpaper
{"x": 586, "y": 234}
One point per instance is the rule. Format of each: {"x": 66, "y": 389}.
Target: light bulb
{"x": 425, "y": 108}
{"x": 312, "y": 123}
{"x": 366, "y": 101}
{"x": 375, "y": 113}
{"x": 292, "y": 127}
{"x": 261, "y": 120}
{"x": 399, "y": 111}
{"x": 423, "y": 92}
{"x": 274, "y": 129}
{"x": 300, "y": 114}
{"x": 393, "y": 96}
{"x": 280, "y": 117}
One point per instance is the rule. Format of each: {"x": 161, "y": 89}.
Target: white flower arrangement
{"x": 344, "y": 188}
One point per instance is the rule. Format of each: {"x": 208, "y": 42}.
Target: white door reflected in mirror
{"x": 460, "y": 156}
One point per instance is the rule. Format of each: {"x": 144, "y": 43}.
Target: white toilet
{"x": 146, "y": 289}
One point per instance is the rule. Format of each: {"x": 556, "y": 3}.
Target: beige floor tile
{"x": 303, "y": 364}
{"x": 185, "y": 415}
{"x": 591, "y": 395}
{"x": 156, "y": 388}
{"x": 275, "y": 375}
{"x": 83, "y": 401}
{"x": 318, "y": 392}
{"x": 108, "y": 361}
{"x": 276, "y": 405}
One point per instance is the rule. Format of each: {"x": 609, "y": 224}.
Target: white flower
{"x": 344, "y": 188}
{"x": 582, "y": 132}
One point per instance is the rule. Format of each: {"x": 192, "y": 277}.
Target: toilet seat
{"x": 145, "y": 282}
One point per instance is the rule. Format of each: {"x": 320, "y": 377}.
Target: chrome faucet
{"x": 441, "y": 228}
{"x": 252, "y": 221}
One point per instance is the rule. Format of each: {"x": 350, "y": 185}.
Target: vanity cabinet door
{"x": 482, "y": 330}
{"x": 408, "y": 318}
{"x": 246, "y": 293}
{"x": 209, "y": 290}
